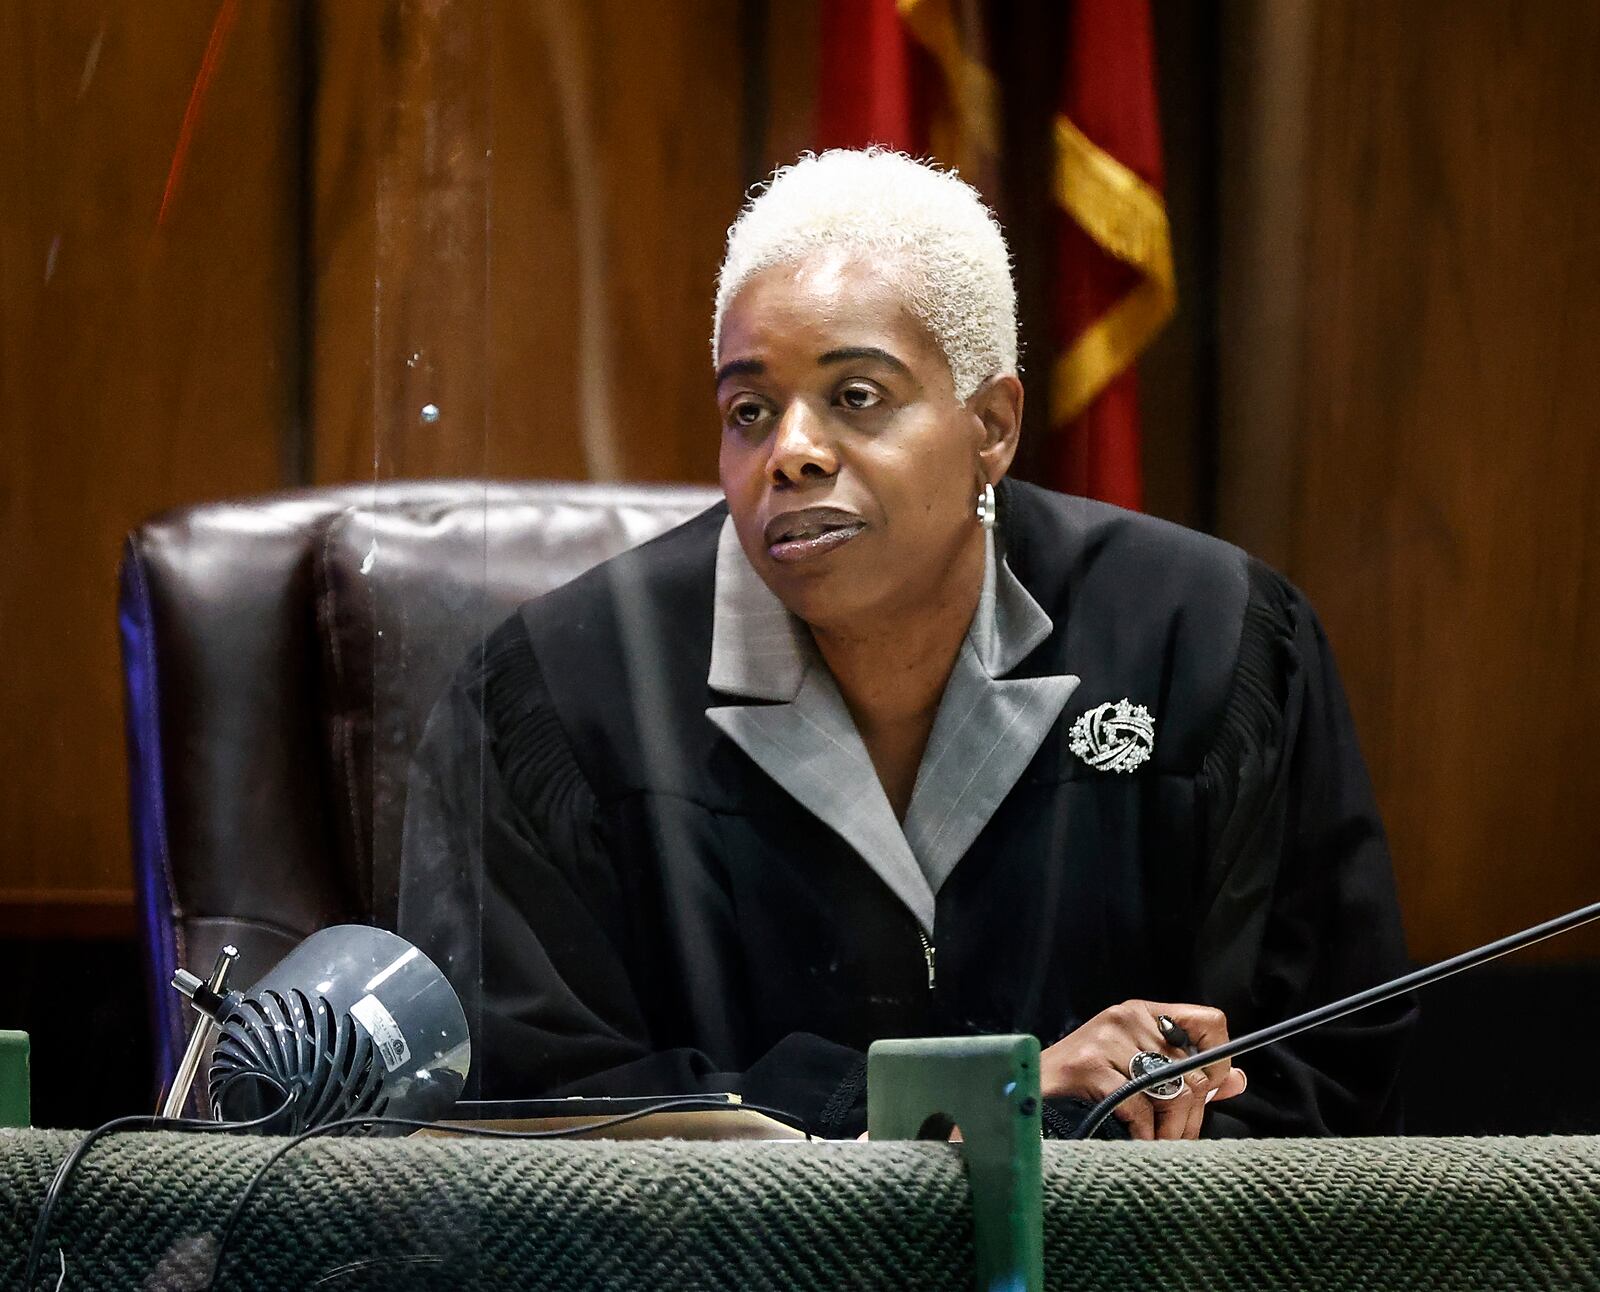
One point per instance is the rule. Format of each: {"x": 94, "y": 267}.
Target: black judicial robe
{"x": 630, "y": 906}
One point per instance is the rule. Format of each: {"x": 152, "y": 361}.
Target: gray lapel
{"x": 988, "y": 727}
{"x": 758, "y": 649}
{"x": 987, "y": 730}
{"x": 810, "y": 746}
{"x": 807, "y": 741}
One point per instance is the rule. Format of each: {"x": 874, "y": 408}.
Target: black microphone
{"x": 1327, "y": 1013}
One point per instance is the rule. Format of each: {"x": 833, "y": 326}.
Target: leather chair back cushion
{"x": 404, "y": 592}
{"x": 233, "y": 840}
{"x": 248, "y": 634}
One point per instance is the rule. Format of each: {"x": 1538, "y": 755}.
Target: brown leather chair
{"x": 280, "y": 656}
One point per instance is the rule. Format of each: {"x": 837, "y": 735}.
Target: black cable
{"x": 682, "y": 1104}
{"x": 80, "y": 1150}
{"x": 1384, "y": 991}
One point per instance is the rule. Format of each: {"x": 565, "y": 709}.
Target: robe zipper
{"x": 927, "y": 954}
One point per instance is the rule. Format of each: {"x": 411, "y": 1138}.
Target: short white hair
{"x": 932, "y": 234}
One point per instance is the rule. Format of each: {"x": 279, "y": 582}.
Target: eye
{"x": 745, "y": 412}
{"x": 859, "y": 396}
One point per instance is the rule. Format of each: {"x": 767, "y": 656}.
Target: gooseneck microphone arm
{"x": 1338, "y": 1009}
{"x": 205, "y": 995}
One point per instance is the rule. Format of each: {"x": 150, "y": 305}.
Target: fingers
{"x": 1194, "y": 1116}
{"x": 1236, "y": 1084}
{"x": 1171, "y": 1118}
{"x": 1138, "y": 1115}
{"x": 1092, "y": 1062}
{"x": 1135, "y": 1030}
{"x": 1200, "y": 1099}
{"x": 1174, "y": 1117}
{"x": 1207, "y": 1028}
{"x": 1183, "y": 1117}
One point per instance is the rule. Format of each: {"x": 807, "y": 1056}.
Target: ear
{"x": 997, "y": 404}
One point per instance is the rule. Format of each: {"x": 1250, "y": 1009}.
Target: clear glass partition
{"x": 371, "y": 340}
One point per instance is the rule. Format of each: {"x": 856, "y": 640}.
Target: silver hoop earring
{"x": 986, "y": 509}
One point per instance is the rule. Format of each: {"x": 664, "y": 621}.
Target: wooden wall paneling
{"x": 550, "y": 346}
{"x": 614, "y": 185}
{"x": 350, "y": 80}
{"x": 400, "y": 239}
{"x": 790, "y": 81}
{"x": 519, "y": 217}
{"x": 141, "y": 365}
{"x": 1265, "y": 60}
{"x": 1444, "y": 501}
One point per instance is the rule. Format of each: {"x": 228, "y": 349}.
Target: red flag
{"x": 874, "y": 80}
{"x": 911, "y": 75}
{"x": 1115, "y": 286}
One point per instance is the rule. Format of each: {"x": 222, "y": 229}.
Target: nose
{"x": 801, "y": 452}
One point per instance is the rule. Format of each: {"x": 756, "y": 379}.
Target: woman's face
{"x": 850, "y": 468}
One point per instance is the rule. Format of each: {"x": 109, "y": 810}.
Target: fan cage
{"x": 276, "y": 1045}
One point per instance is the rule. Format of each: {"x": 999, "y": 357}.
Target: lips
{"x": 810, "y": 532}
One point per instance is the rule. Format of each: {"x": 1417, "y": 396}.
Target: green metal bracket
{"x": 14, "y": 1084}
{"x": 989, "y": 1087}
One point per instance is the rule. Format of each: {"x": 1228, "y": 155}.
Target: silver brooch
{"x": 1114, "y": 737}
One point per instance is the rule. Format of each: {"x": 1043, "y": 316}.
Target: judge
{"x": 888, "y": 745}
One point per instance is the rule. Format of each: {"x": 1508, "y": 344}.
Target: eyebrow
{"x": 846, "y": 353}
{"x": 756, "y": 368}
{"x": 740, "y": 368}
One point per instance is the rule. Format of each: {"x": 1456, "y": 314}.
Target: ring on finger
{"x": 1144, "y": 1063}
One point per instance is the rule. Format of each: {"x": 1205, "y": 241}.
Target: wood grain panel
{"x": 399, "y": 235}
{"x": 1260, "y": 273}
{"x": 515, "y": 214}
{"x": 1445, "y": 511}
{"x": 790, "y": 81}
{"x": 521, "y": 224}
{"x": 141, "y": 365}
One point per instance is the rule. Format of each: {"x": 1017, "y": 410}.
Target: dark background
{"x": 1381, "y": 378}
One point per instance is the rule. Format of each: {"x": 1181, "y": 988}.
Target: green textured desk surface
{"x": 425, "y": 1214}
